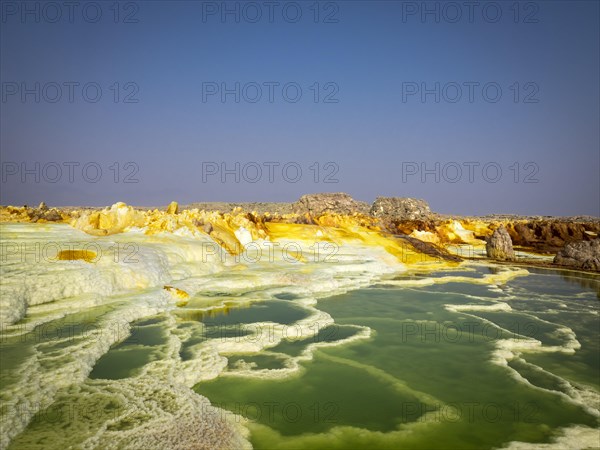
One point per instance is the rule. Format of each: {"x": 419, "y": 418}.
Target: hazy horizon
{"x": 477, "y": 112}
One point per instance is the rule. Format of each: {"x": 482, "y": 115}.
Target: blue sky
{"x": 159, "y": 132}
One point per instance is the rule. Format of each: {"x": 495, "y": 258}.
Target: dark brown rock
{"x": 549, "y": 235}
{"x": 398, "y": 226}
{"x": 522, "y": 234}
{"x": 430, "y": 249}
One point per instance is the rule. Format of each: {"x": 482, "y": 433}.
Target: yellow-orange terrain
{"x": 411, "y": 241}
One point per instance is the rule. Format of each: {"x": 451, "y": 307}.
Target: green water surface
{"x": 426, "y": 377}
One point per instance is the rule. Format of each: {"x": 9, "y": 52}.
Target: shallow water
{"x": 348, "y": 395}
{"x": 355, "y": 353}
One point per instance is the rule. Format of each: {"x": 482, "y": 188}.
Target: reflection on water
{"x": 585, "y": 280}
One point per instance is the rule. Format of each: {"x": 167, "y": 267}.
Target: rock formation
{"x": 316, "y": 205}
{"x": 548, "y": 235}
{"x": 173, "y": 208}
{"x": 580, "y": 255}
{"x": 499, "y": 245}
{"x": 401, "y": 208}
{"x": 43, "y": 214}
{"x": 51, "y": 215}
{"x": 109, "y": 221}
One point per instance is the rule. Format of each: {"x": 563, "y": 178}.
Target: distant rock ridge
{"x": 402, "y": 208}
{"x": 329, "y": 203}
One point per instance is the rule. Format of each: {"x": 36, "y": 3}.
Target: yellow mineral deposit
{"x": 116, "y": 219}
{"x": 348, "y": 230}
{"x": 173, "y": 208}
{"x": 480, "y": 228}
{"x": 235, "y": 229}
{"x": 453, "y": 232}
{"x": 180, "y": 295}
{"x": 426, "y": 236}
{"x": 74, "y": 255}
